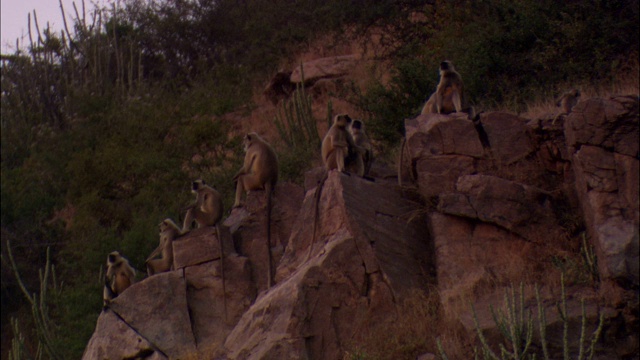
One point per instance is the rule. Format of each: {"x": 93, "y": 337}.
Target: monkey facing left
{"x": 168, "y": 232}
{"x": 119, "y": 276}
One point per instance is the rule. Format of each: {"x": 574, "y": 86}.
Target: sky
{"x": 13, "y": 22}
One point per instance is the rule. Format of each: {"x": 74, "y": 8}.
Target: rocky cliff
{"x": 495, "y": 202}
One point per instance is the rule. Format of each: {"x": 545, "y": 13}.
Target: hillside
{"x": 106, "y": 125}
{"x": 509, "y": 211}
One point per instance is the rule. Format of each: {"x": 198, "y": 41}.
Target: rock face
{"x": 602, "y": 136}
{"x": 324, "y": 68}
{"x": 321, "y": 76}
{"x": 172, "y": 314}
{"x": 501, "y": 201}
{"x": 367, "y": 250}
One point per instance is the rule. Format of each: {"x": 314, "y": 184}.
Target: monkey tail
{"x": 269, "y": 189}
{"x": 402, "y": 146}
{"x": 224, "y": 289}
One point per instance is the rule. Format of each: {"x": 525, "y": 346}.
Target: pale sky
{"x": 14, "y": 18}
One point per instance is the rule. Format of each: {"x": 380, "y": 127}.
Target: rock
{"x": 522, "y": 209}
{"x": 114, "y": 339}
{"x": 608, "y": 123}
{"x": 466, "y": 267}
{"x": 438, "y": 174}
{"x": 509, "y": 137}
{"x": 215, "y": 309}
{"x": 324, "y": 68}
{"x": 248, "y": 227}
{"x": 602, "y": 137}
{"x": 437, "y": 134}
{"x": 157, "y": 309}
{"x": 368, "y": 251}
{"x": 200, "y": 246}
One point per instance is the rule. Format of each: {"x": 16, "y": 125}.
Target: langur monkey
{"x": 259, "y": 171}
{"x": 566, "y": 103}
{"x": 360, "y": 138}
{"x": 338, "y": 144}
{"x": 168, "y": 232}
{"x": 120, "y": 275}
{"x": 207, "y": 210}
{"x": 449, "y": 96}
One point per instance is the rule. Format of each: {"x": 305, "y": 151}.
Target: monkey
{"x": 360, "y": 138}
{"x": 338, "y": 145}
{"x": 260, "y": 168}
{"x": 120, "y": 275}
{"x": 566, "y": 102}
{"x": 168, "y": 232}
{"x": 207, "y": 209}
{"x": 259, "y": 171}
{"x": 449, "y": 96}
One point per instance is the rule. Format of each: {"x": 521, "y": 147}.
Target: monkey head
{"x": 357, "y": 126}
{"x": 113, "y": 257}
{"x": 165, "y": 224}
{"x": 342, "y": 120}
{"x": 249, "y": 139}
{"x": 446, "y": 66}
{"x": 196, "y": 185}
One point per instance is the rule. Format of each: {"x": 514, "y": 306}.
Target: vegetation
{"x": 105, "y": 124}
{"x": 515, "y": 323}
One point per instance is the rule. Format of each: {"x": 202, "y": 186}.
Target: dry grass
{"x": 626, "y": 81}
{"x": 411, "y": 333}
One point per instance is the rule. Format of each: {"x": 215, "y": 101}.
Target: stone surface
{"x": 602, "y": 136}
{"x": 329, "y": 67}
{"x": 249, "y": 227}
{"x": 522, "y": 209}
{"x": 200, "y": 246}
{"x": 157, "y": 309}
{"x": 509, "y": 136}
{"x": 437, "y": 134}
{"x": 608, "y": 123}
{"x": 114, "y": 339}
{"x": 466, "y": 267}
{"x": 215, "y": 309}
{"x": 368, "y": 251}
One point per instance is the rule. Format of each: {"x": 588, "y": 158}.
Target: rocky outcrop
{"x": 321, "y": 77}
{"x": 507, "y": 201}
{"x": 323, "y": 68}
{"x": 367, "y": 251}
{"x": 173, "y": 314}
{"x": 602, "y": 136}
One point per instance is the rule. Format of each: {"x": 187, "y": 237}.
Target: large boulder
{"x": 602, "y": 136}
{"x": 115, "y": 339}
{"x": 522, "y": 209}
{"x": 324, "y": 68}
{"x": 441, "y": 149}
{"x": 248, "y": 226}
{"x": 157, "y": 308}
{"x": 367, "y": 250}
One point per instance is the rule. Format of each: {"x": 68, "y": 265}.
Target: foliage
{"x": 44, "y": 326}
{"x": 509, "y": 53}
{"x": 299, "y": 133}
{"x": 516, "y": 327}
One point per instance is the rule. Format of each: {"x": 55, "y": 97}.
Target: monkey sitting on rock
{"x": 207, "y": 209}
{"x": 168, "y": 232}
{"x": 120, "y": 275}
{"x": 339, "y": 148}
{"x": 449, "y": 96}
